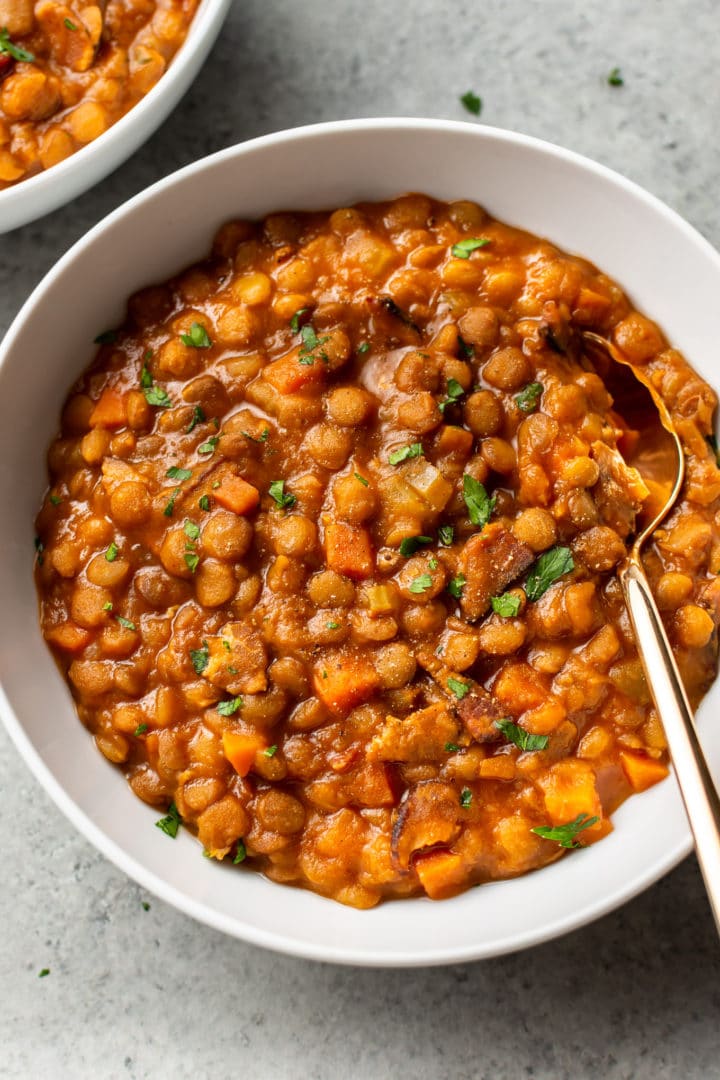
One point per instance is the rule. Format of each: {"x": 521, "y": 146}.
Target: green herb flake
{"x": 472, "y": 102}
{"x": 112, "y": 552}
{"x": 522, "y": 738}
{"x": 200, "y": 658}
{"x": 209, "y": 446}
{"x": 528, "y": 398}
{"x": 108, "y": 605}
{"x": 43, "y": 972}
{"x": 69, "y": 24}
{"x": 146, "y": 379}
{"x": 361, "y": 479}
{"x": 198, "y": 417}
{"x": 271, "y": 751}
{"x": 615, "y": 78}
{"x": 282, "y": 498}
{"x": 191, "y": 561}
{"x": 420, "y": 584}
{"x": 506, "y": 605}
{"x": 464, "y": 248}
{"x": 446, "y": 534}
{"x": 145, "y": 905}
{"x": 126, "y": 624}
{"x": 261, "y": 438}
{"x": 197, "y": 338}
{"x": 454, "y": 393}
{"x": 465, "y": 797}
{"x": 156, "y": 395}
{"x": 240, "y": 853}
{"x": 455, "y": 585}
{"x": 551, "y": 566}
{"x": 332, "y": 625}
{"x": 55, "y": 500}
{"x": 171, "y": 822}
{"x": 433, "y": 563}
{"x": 174, "y": 473}
{"x": 467, "y": 351}
{"x": 459, "y": 689}
{"x": 311, "y": 342}
{"x": 479, "y": 504}
{"x": 215, "y": 484}
{"x": 140, "y": 729}
{"x": 363, "y": 347}
{"x": 565, "y": 835}
{"x": 405, "y": 453}
{"x": 108, "y": 337}
{"x": 410, "y": 544}
{"x": 170, "y": 505}
{"x": 228, "y": 708}
{"x": 296, "y": 319}
{"x": 204, "y": 502}
{"x": 451, "y": 748}
{"x": 39, "y": 548}
{"x": 191, "y": 530}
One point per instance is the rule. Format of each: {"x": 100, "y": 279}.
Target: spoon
{"x": 659, "y": 456}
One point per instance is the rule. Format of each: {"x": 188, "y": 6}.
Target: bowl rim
{"x": 153, "y": 882}
{"x": 30, "y": 199}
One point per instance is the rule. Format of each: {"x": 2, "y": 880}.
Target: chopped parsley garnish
{"x": 261, "y": 438}
{"x": 171, "y": 822}
{"x": 332, "y": 625}
{"x": 465, "y": 797}
{"x": 39, "y": 548}
{"x": 156, "y": 395}
{"x": 204, "y": 502}
{"x": 362, "y": 479}
{"x": 209, "y": 446}
{"x": 174, "y": 473}
{"x": 295, "y": 322}
{"x": 454, "y": 393}
{"x": 311, "y": 342}
{"x": 282, "y": 498}
{"x": 472, "y": 102}
{"x": 464, "y": 248}
{"x": 191, "y": 530}
{"x": 108, "y": 605}
{"x": 615, "y": 78}
{"x": 527, "y": 399}
{"x": 363, "y": 347}
{"x": 69, "y": 24}
{"x": 170, "y": 505}
{"x": 198, "y": 417}
{"x": 43, "y": 972}
{"x": 271, "y": 751}
{"x": 467, "y": 350}
{"x": 126, "y": 624}
{"x": 410, "y": 544}
{"x": 240, "y": 853}
{"x": 405, "y": 453}
{"x": 200, "y": 658}
{"x": 455, "y": 585}
{"x": 420, "y": 584}
{"x": 565, "y": 835}
{"x": 192, "y": 560}
{"x": 433, "y": 563}
{"x": 55, "y": 500}
{"x": 140, "y": 729}
{"x": 112, "y": 552}
{"x": 197, "y": 338}
{"x": 522, "y": 738}
{"x": 227, "y": 708}
{"x": 146, "y": 379}
{"x": 446, "y": 534}
{"x": 108, "y": 337}
{"x": 479, "y": 504}
{"x": 145, "y": 905}
{"x": 551, "y": 565}
{"x": 451, "y": 748}
{"x": 459, "y": 689}
{"x": 506, "y": 605}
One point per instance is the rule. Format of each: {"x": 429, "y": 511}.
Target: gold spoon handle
{"x": 693, "y": 776}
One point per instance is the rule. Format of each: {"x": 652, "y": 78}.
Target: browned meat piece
{"x": 478, "y": 712}
{"x": 237, "y": 660}
{"x": 419, "y": 737}
{"x": 620, "y": 491}
{"x": 428, "y": 816}
{"x": 490, "y": 561}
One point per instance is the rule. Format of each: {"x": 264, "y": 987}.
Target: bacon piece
{"x": 478, "y": 712}
{"x": 490, "y": 561}
{"x": 430, "y": 815}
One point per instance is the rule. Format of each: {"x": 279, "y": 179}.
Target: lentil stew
{"x": 70, "y": 71}
{"x": 328, "y": 555}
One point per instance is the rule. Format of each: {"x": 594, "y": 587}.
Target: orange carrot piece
{"x": 642, "y": 771}
{"x": 110, "y": 410}
{"x": 240, "y": 748}
{"x": 440, "y": 873}
{"x": 454, "y": 442}
{"x": 348, "y": 550}
{"x": 236, "y": 494}
{"x": 343, "y": 683}
{"x": 288, "y": 375}
{"x": 68, "y": 636}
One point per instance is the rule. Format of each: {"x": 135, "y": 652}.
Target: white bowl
{"x": 32, "y": 198}
{"x": 670, "y": 272}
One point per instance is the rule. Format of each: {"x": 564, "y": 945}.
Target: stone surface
{"x": 151, "y": 994}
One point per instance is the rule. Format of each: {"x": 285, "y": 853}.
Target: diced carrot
{"x": 348, "y": 550}
{"x": 642, "y": 771}
{"x": 440, "y": 873}
{"x": 288, "y": 375}
{"x": 454, "y": 442}
{"x": 373, "y": 785}
{"x": 240, "y": 748}
{"x": 344, "y": 682}
{"x": 68, "y": 636}
{"x": 519, "y": 687}
{"x": 110, "y": 410}
{"x": 236, "y": 494}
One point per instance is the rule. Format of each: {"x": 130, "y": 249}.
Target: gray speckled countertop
{"x": 135, "y": 993}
